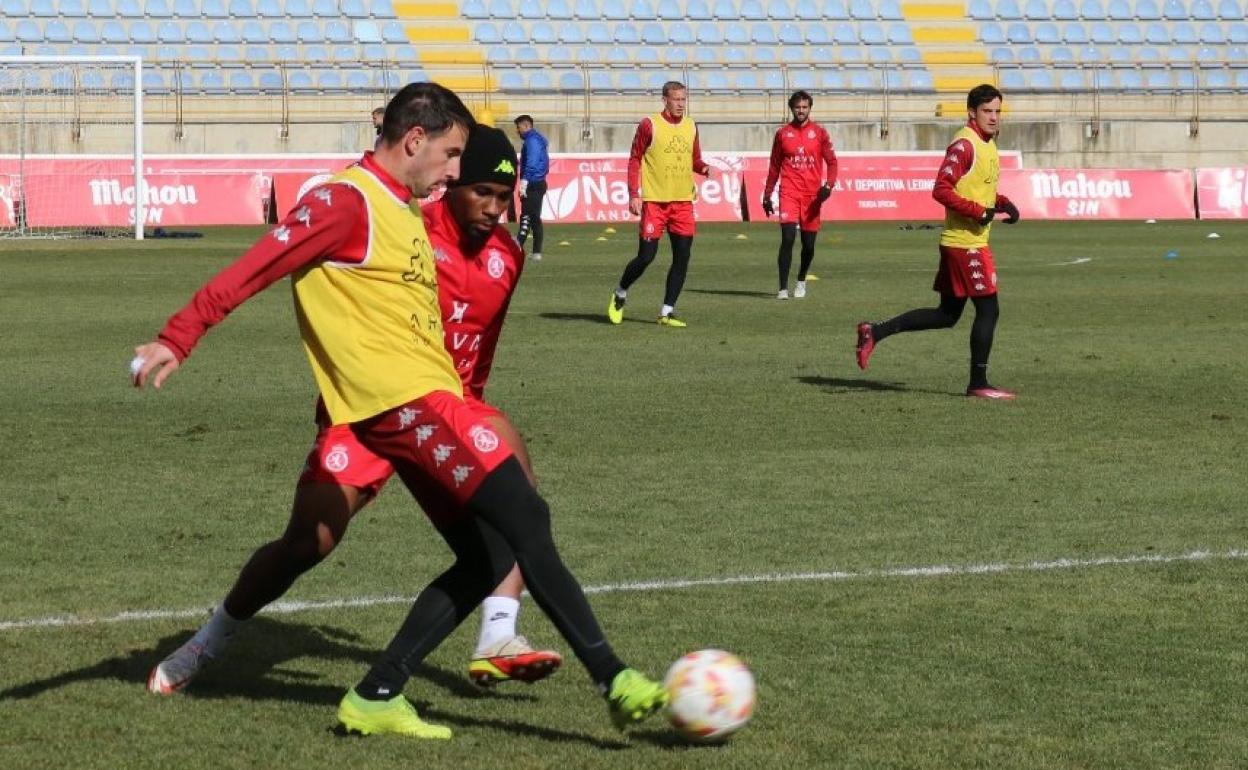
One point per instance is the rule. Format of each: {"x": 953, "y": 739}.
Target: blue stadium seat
{"x": 642, "y": 10}
{"x": 817, "y": 34}
{"x": 680, "y": 33}
{"x": 618, "y": 55}
{"x": 1130, "y": 34}
{"x": 560, "y": 54}
{"x": 717, "y": 81}
{"x": 142, "y": 32}
{"x": 367, "y": 32}
{"x": 880, "y": 54}
{"x": 1091, "y": 10}
{"x": 676, "y": 54}
{"x": 763, "y": 34}
{"x": 752, "y": 10}
{"x": 910, "y": 55}
{"x": 614, "y": 10}
{"x": 1065, "y": 10}
{"x": 531, "y": 9}
{"x": 540, "y": 81}
{"x": 792, "y": 54}
{"x": 1120, "y": 54}
{"x": 336, "y": 31}
{"x": 27, "y": 31}
{"x": 734, "y": 55}
{"x": 1148, "y": 55}
{"x": 764, "y": 55}
{"x": 802, "y": 79}
{"x": 158, "y": 9}
{"x": 328, "y": 80}
{"x": 84, "y": 32}
{"x": 543, "y": 33}
{"x": 254, "y": 32}
{"x": 647, "y": 56}
{"x": 598, "y": 32}
{"x": 514, "y": 32}
{"x": 861, "y": 10}
{"x": 1241, "y": 79}
{"x": 899, "y": 34}
{"x": 790, "y": 35}
{"x": 1061, "y": 56}
{"x": 1048, "y": 34}
{"x": 1074, "y": 33}
{"x": 1237, "y": 33}
{"x": 56, "y": 31}
{"x": 1089, "y": 53}
{"x": 725, "y": 10}
{"x": 1158, "y": 80}
{"x": 991, "y": 33}
{"x": 392, "y": 32}
{"x": 212, "y": 9}
{"x": 486, "y": 33}
{"x": 299, "y": 80}
{"x": 851, "y": 54}
{"x": 511, "y": 80}
{"x": 872, "y": 33}
{"x": 1041, "y": 80}
{"x": 504, "y": 9}
{"x": 835, "y": 9}
{"x": 111, "y": 32}
{"x": 310, "y": 32}
{"x": 282, "y": 32}
{"x": 526, "y": 54}
{"x": 1073, "y": 80}
{"x": 570, "y": 32}
{"x": 473, "y": 9}
{"x": 627, "y": 34}
{"x": 652, "y": 33}
{"x": 571, "y": 81}
{"x": 1028, "y": 54}
{"x": 831, "y": 80}
{"x": 1037, "y": 10}
{"x": 1212, "y": 34}
{"x": 1208, "y": 54}
{"x": 1147, "y": 10}
{"x": 1009, "y": 10}
{"x": 72, "y": 9}
{"x": 315, "y": 53}
{"x": 600, "y": 81}
{"x": 239, "y": 9}
{"x": 225, "y": 32}
{"x": 1120, "y": 10}
{"x": 1156, "y": 34}
{"x": 129, "y": 9}
{"x": 736, "y": 34}
{"x": 1218, "y": 80}
{"x": 1018, "y": 33}
{"x": 1001, "y": 54}
{"x": 344, "y": 53}
{"x": 1184, "y": 33}
{"x": 374, "y": 52}
{"x": 980, "y": 10}
{"x": 779, "y": 10}
{"x": 198, "y": 53}
{"x": 890, "y": 10}
{"x": 698, "y": 10}
{"x": 294, "y": 9}
{"x": 1202, "y": 10}
{"x": 381, "y": 9}
{"x": 353, "y": 9}
{"x": 1104, "y": 33}
{"x": 583, "y": 9}
{"x": 1174, "y": 10}
{"x": 170, "y": 32}
{"x": 670, "y": 10}
{"x": 198, "y": 32}
{"x": 845, "y": 34}
{"x": 100, "y": 9}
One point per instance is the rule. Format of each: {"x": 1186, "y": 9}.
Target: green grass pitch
{"x": 748, "y": 444}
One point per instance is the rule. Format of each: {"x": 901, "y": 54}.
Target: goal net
{"x": 71, "y": 150}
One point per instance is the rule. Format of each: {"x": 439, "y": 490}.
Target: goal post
{"x": 71, "y": 147}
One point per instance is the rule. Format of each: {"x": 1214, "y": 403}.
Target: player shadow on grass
{"x": 735, "y": 293}
{"x": 847, "y": 385}
{"x": 597, "y": 318}
{"x": 541, "y": 732}
{"x": 255, "y": 667}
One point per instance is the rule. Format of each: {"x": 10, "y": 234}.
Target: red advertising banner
{"x": 108, "y": 200}
{"x": 1064, "y": 193}
{"x": 288, "y": 188}
{"x": 1222, "y": 193}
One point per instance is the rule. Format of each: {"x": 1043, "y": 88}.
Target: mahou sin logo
{"x": 1083, "y": 195}
{"x": 111, "y": 192}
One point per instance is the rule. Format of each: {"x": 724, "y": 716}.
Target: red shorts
{"x": 447, "y": 447}
{"x": 802, "y": 210}
{"x": 675, "y": 216}
{"x": 966, "y": 272}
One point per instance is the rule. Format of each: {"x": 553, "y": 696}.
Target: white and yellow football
{"x": 712, "y": 695}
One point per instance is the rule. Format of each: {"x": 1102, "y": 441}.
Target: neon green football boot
{"x": 633, "y": 697}
{"x": 396, "y": 715}
{"x": 615, "y": 310}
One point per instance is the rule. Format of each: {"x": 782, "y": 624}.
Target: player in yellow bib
{"x": 664, "y": 157}
{"x": 966, "y": 186}
{"x": 365, "y": 292}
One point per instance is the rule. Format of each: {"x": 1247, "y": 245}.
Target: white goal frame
{"x": 136, "y": 63}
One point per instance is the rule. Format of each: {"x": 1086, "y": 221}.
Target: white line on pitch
{"x": 285, "y": 607}
{"x": 1075, "y": 261}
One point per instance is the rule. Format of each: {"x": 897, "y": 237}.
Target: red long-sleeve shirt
{"x": 800, "y": 155}
{"x": 641, "y": 141}
{"x": 959, "y": 158}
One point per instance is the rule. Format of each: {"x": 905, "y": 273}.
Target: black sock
{"x": 942, "y": 317}
{"x": 784, "y": 259}
{"x": 987, "y": 310}
{"x": 646, "y": 251}
{"x": 682, "y": 249}
{"x": 808, "y": 254}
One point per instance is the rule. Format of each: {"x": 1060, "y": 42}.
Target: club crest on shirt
{"x": 484, "y": 439}
{"x": 439, "y": 255}
{"x": 337, "y": 460}
{"x": 495, "y": 265}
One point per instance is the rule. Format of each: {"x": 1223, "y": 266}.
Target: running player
{"x": 664, "y": 157}
{"x": 478, "y": 266}
{"x": 363, "y": 277}
{"x": 966, "y": 186}
{"x": 803, "y": 161}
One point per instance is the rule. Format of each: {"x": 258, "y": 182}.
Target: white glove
{"x": 524, "y": 187}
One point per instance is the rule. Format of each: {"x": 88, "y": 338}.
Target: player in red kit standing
{"x": 966, "y": 186}
{"x": 800, "y": 154}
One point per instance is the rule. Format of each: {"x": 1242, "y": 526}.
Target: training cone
{"x": 609, "y": 231}
{"x": 565, "y": 243}
{"x": 1172, "y": 254}
{"x": 812, "y": 277}
{"x": 742, "y": 237}
{"x": 1211, "y": 236}
{"x": 601, "y": 238}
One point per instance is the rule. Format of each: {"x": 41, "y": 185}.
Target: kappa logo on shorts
{"x": 495, "y": 265}
{"x": 461, "y": 473}
{"x": 484, "y": 439}
{"x": 337, "y": 460}
{"x": 442, "y": 453}
{"x": 407, "y": 416}
{"x": 423, "y": 433}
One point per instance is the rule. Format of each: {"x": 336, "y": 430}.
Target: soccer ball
{"x": 712, "y": 695}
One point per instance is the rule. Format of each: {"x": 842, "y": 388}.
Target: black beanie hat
{"x": 488, "y": 157}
